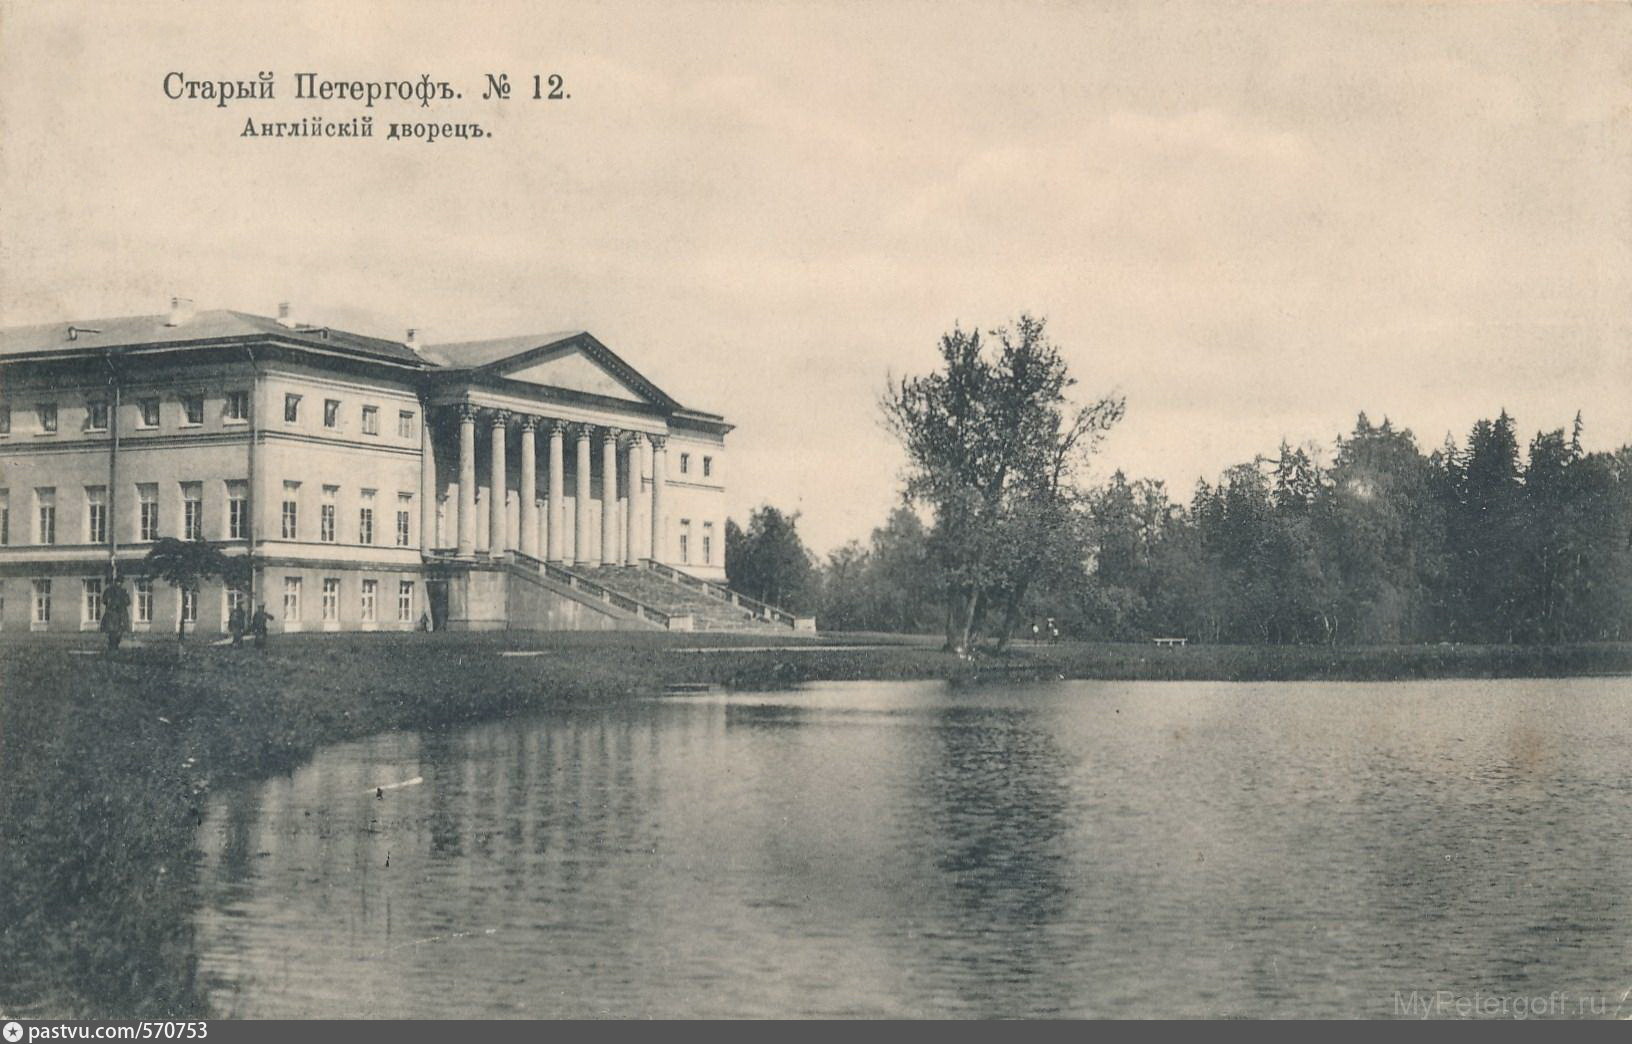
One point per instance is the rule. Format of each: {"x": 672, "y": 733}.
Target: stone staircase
{"x": 711, "y": 607}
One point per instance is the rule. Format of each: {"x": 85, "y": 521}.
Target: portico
{"x": 557, "y": 450}
{"x": 614, "y": 514}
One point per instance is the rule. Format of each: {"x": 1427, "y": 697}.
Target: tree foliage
{"x": 994, "y": 449}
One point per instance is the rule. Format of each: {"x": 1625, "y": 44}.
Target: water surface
{"x": 916, "y": 849}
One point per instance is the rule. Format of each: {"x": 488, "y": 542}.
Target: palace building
{"x": 535, "y": 482}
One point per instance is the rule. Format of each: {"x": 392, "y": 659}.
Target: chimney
{"x": 283, "y": 314}
{"x": 181, "y": 311}
{"x": 412, "y": 340}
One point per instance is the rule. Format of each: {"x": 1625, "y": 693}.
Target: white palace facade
{"x": 535, "y": 482}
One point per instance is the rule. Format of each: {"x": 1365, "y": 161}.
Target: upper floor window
{"x": 371, "y": 420}
{"x": 45, "y": 499}
{"x": 193, "y": 408}
{"x": 236, "y": 407}
{"x": 96, "y": 415}
{"x": 405, "y": 424}
{"x": 96, "y": 514}
{"x": 192, "y": 511}
{"x": 325, "y": 514}
{"x": 149, "y": 412}
{"x": 708, "y": 466}
{"x": 365, "y": 518}
{"x": 331, "y": 413}
{"x": 147, "y": 511}
{"x": 47, "y": 414}
{"x": 291, "y": 408}
{"x": 237, "y": 509}
{"x": 290, "y": 515}
{"x": 685, "y": 463}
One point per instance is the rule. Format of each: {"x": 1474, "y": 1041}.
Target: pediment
{"x": 573, "y": 368}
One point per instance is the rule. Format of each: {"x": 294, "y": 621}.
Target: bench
{"x": 1170, "y": 641}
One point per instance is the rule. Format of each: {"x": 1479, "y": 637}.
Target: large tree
{"x": 186, "y": 564}
{"x": 994, "y": 448}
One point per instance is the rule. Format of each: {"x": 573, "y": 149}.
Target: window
{"x": 237, "y": 510}
{"x": 46, "y": 500}
{"x": 189, "y": 606}
{"x": 404, "y": 513}
{"x": 93, "y": 602}
{"x": 331, "y": 413}
{"x": 325, "y": 514}
{"x": 708, "y": 466}
{"x": 291, "y": 408}
{"x": 371, "y": 420}
{"x": 5, "y": 516}
{"x": 365, "y": 519}
{"x": 192, "y": 511}
{"x": 42, "y": 602}
{"x": 96, "y": 415}
{"x": 291, "y": 510}
{"x": 5, "y": 419}
{"x": 708, "y": 541}
{"x": 291, "y": 599}
{"x": 685, "y": 540}
{"x": 370, "y": 590}
{"x": 237, "y": 598}
{"x": 96, "y": 514}
{"x": 46, "y": 412}
{"x": 149, "y": 413}
{"x": 237, "y": 406}
{"x": 193, "y": 409}
{"x": 147, "y": 512}
{"x": 685, "y": 463}
{"x": 405, "y": 424}
{"x": 331, "y": 599}
{"x": 144, "y": 600}
{"x": 405, "y": 601}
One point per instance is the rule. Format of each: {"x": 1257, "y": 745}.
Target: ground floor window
{"x": 291, "y": 599}
{"x": 93, "y": 601}
{"x": 370, "y": 590}
{"x": 42, "y": 602}
{"x": 331, "y": 598}
{"x": 405, "y": 601}
{"x": 685, "y": 541}
{"x": 144, "y": 601}
{"x": 237, "y": 599}
{"x": 189, "y": 605}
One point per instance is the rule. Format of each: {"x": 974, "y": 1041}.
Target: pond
{"x": 920, "y": 849}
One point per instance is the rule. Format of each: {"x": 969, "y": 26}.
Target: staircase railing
{"x": 584, "y": 585}
{"x": 760, "y": 610}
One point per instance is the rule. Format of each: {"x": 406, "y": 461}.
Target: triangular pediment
{"x": 573, "y": 368}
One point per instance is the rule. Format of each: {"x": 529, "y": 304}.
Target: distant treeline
{"x": 1382, "y": 544}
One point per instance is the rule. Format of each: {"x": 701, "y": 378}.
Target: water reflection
{"x": 867, "y": 849}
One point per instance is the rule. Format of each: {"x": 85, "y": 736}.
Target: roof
{"x": 220, "y": 324}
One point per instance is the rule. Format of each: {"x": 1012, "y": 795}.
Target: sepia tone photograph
{"x": 813, "y": 510}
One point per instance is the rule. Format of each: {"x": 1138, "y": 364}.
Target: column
{"x": 609, "y": 496}
{"x": 660, "y": 468}
{"x": 631, "y": 511}
{"x": 467, "y": 481}
{"x": 495, "y": 502}
{"x": 580, "y": 530}
{"x": 427, "y": 484}
{"x": 558, "y": 493}
{"x": 529, "y": 487}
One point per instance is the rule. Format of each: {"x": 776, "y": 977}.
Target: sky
{"x": 1252, "y": 221}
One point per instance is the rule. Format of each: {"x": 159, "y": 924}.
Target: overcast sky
{"x": 1252, "y": 221}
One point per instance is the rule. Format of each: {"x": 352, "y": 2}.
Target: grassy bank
{"x": 104, "y": 761}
